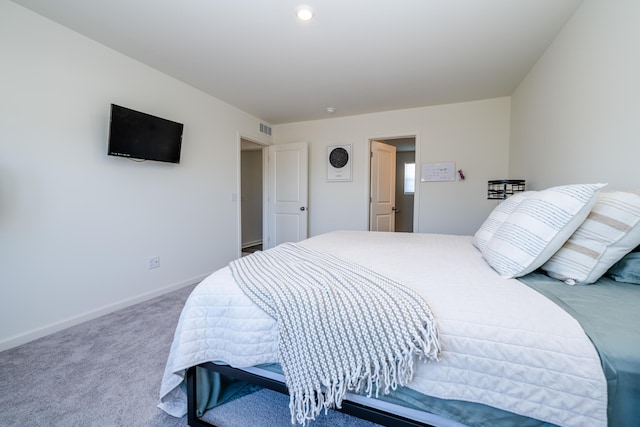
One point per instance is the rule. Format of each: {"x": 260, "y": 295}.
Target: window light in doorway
{"x": 409, "y": 178}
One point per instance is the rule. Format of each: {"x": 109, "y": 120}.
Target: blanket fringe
{"x": 306, "y": 405}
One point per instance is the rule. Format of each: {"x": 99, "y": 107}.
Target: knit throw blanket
{"x": 342, "y": 327}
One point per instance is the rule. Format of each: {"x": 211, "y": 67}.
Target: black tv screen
{"x": 142, "y": 136}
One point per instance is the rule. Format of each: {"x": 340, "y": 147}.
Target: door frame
{"x": 238, "y": 194}
{"x": 416, "y": 194}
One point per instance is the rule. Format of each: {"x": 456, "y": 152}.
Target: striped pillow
{"x": 538, "y": 227}
{"x": 495, "y": 219}
{"x": 611, "y": 230}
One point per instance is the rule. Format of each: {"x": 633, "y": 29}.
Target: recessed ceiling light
{"x": 304, "y": 13}
{"x": 331, "y": 110}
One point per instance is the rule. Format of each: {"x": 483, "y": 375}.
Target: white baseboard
{"x": 94, "y": 314}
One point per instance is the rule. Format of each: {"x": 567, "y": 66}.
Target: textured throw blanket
{"x": 342, "y": 327}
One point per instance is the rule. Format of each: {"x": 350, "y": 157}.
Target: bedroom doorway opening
{"x": 251, "y": 196}
{"x": 392, "y": 184}
{"x": 273, "y": 194}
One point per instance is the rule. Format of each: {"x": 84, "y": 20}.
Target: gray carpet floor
{"x": 107, "y": 372}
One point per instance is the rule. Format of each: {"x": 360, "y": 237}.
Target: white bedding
{"x": 504, "y": 345}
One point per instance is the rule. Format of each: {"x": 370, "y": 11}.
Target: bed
{"x": 514, "y": 351}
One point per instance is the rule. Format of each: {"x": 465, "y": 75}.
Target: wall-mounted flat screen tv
{"x": 142, "y": 136}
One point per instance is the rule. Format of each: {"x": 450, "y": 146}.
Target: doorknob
{"x": 302, "y": 208}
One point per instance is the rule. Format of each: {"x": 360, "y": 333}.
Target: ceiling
{"x": 357, "y": 56}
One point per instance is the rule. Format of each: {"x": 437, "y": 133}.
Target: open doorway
{"x": 393, "y": 182}
{"x": 251, "y": 196}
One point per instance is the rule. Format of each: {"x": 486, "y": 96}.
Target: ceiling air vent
{"x": 265, "y": 129}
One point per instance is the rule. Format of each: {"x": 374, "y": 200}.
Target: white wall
{"x": 576, "y": 116}
{"x": 473, "y": 134}
{"x": 76, "y": 225}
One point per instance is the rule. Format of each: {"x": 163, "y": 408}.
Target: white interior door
{"x": 287, "y": 215}
{"x": 383, "y": 187}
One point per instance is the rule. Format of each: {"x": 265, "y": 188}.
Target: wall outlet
{"x": 153, "y": 262}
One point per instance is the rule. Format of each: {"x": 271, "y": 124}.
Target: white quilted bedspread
{"x": 504, "y": 344}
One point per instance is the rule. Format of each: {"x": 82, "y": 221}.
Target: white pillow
{"x": 496, "y": 218}
{"x": 538, "y": 227}
{"x": 611, "y": 230}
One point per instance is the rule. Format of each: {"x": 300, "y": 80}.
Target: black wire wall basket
{"x": 500, "y": 189}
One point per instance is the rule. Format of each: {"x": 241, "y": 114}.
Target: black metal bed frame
{"x": 348, "y": 407}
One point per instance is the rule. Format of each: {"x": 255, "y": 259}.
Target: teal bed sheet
{"x": 214, "y": 389}
{"x": 609, "y": 313}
